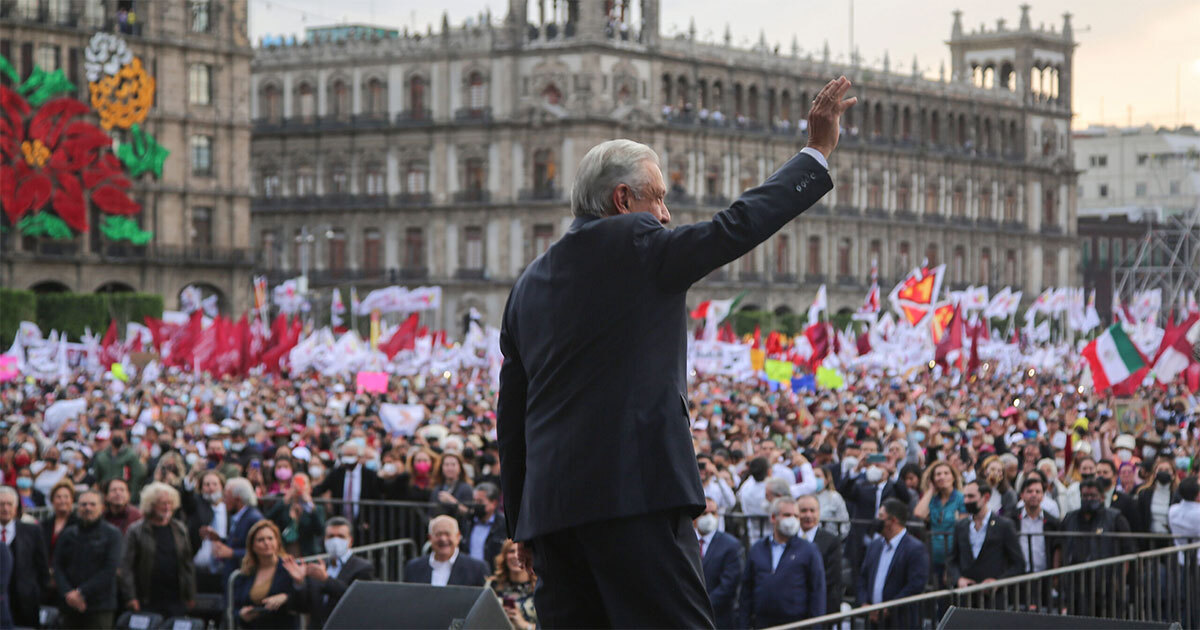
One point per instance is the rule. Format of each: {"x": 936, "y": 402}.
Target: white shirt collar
{"x": 11, "y": 530}
{"x": 895, "y": 540}
{"x": 811, "y": 534}
{"x": 707, "y": 538}
{"x": 437, "y": 564}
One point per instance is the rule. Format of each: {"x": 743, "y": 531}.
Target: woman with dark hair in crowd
{"x": 394, "y": 475}
{"x": 941, "y": 506}
{"x": 1004, "y": 498}
{"x": 27, "y": 495}
{"x": 452, "y": 487}
{"x": 514, "y": 585}
{"x": 910, "y": 476}
{"x": 62, "y": 515}
{"x": 421, "y": 479}
{"x": 1154, "y": 499}
{"x": 270, "y": 592}
{"x": 282, "y": 473}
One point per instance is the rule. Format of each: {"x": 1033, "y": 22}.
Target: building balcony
{"x": 876, "y": 213}
{"x": 720, "y": 201}
{"x": 934, "y": 218}
{"x": 548, "y": 193}
{"x": 814, "y": 278}
{"x": 1051, "y": 229}
{"x": 1014, "y": 226}
{"x": 470, "y": 274}
{"x": 961, "y": 219}
{"x": 415, "y": 118}
{"x": 846, "y": 280}
{"x": 473, "y": 115}
{"x": 473, "y": 196}
{"x": 843, "y": 210}
{"x": 904, "y": 215}
{"x": 750, "y": 276}
{"x": 202, "y": 255}
{"x": 680, "y": 197}
{"x": 987, "y": 222}
{"x": 410, "y": 199}
{"x": 412, "y": 273}
{"x": 784, "y": 278}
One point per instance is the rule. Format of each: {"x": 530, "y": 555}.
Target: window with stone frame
{"x": 931, "y": 199}
{"x": 959, "y": 265}
{"x": 472, "y": 252}
{"x": 783, "y": 254}
{"x": 958, "y": 203}
{"x": 270, "y": 184}
{"x": 375, "y": 179}
{"x": 844, "y": 253}
{"x": 474, "y": 178}
{"x": 902, "y": 198}
{"x": 416, "y": 97}
{"x": 202, "y": 226}
{"x": 985, "y": 203}
{"x": 269, "y": 249}
{"x": 1049, "y": 208}
{"x": 416, "y": 178}
{"x": 1010, "y": 207}
{"x": 476, "y": 91}
{"x": 985, "y": 266}
{"x": 372, "y": 250}
{"x": 339, "y": 180}
{"x": 931, "y": 255}
{"x": 903, "y": 258}
{"x": 270, "y": 103}
{"x": 376, "y": 97}
{"x": 337, "y": 249}
{"x": 306, "y": 181}
{"x": 1010, "y": 267}
{"x": 543, "y": 236}
{"x": 339, "y": 99}
{"x": 875, "y": 195}
{"x": 814, "y": 255}
{"x": 545, "y": 168}
{"x": 414, "y": 248}
{"x": 306, "y": 99}
{"x": 200, "y": 84}
{"x": 875, "y": 252}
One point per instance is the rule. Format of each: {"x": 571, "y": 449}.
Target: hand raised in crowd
{"x": 294, "y": 569}
{"x": 825, "y": 116}
{"x": 316, "y": 571}
{"x": 221, "y": 551}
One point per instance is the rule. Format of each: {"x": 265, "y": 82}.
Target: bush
{"x": 75, "y": 312}
{"x": 16, "y": 306}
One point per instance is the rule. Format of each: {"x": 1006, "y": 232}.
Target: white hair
{"x": 605, "y": 166}
{"x": 153, "y": 491}
{"x": 442, "y": 519}
{"x": 778, "y": 486}
{"x": 240, "y": 487}
{"x": 6, "y": 491}
{"x": 778, "y": 504}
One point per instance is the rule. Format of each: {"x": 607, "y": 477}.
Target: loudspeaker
{"x": 371, "y": 605}
{"x": 972, "y": 618}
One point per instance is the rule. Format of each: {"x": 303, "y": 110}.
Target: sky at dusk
{"x": 1134, "y": 61}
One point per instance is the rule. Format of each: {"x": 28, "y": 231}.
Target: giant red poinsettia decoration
{"x": 54, "y": 157}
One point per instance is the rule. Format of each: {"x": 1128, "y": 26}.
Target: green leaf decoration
{"x": 42, "y": 86}
{"x": 124, "y": 228}
{"x": 8, "y": 70}
{"x": 143, "y": 154}
{"x": 45, "y": 224}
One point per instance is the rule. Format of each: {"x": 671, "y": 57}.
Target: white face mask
{"x": 336, "y": 547}
{"x": 706, "y": 524}
{"x": 389, "y": 469}
{"x": 874, "y": 474}
{"x": 316, "y": 472}
{"x": 349, "y": 460}
{"x": 1124, "y": 455}
{"x": 213, "y": 497}
{"x": 789, "y": 526}
{"x": 849, "y": 463}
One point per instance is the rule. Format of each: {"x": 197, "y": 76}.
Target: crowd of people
{"x": 153, "y": 496}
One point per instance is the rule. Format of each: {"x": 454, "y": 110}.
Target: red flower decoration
{"x": 59, "y": 159}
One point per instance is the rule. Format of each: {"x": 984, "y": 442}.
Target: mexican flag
{"x": 1112, "y": 357}
{"x": 713, "y": 312}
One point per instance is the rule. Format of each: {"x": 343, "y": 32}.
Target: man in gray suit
{"x": 597, "y": 466}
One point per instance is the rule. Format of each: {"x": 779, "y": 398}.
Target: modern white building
{"x": 1137, "y": 171}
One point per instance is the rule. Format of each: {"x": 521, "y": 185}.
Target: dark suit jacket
{"x": 860, "y": 503}
{"x": 723, "y": 565}
{"x": 335, "y": 484}
{"x": 1142, "y": 520}
{"x": 31, "y": 570}
{"x": 236, "y": 538}
{"x": 793, "y": 591}
{"x": 198, "y": 516}
{"x": 288, "y": 615}
{"x": 907, "y": 575}
{"x": 1050, "y": 525}
{"x": 324, "y": 596}
{"x": 6, "y": 570}
{"x": 1129, "y": 507}
{"x": 830, "y": 547}
{"x": 594, "y": 336}
{"x": 494, "y": 542}
{"x": 467, "y": 571}
{"x": 999, "y": 557}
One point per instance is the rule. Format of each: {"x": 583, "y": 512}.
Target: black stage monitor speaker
{"x": 973, "y": 619}
{"x": 370, "y": 605}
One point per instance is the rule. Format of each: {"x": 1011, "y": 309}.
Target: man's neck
{"x": 118, "y": 511}
{"x": 779, "y": 539}
{"x": 1033, "y": 512}
{"x": 440, "y": 558}
{"x": 888, "y": 535}
{"x": 980, "y": 517}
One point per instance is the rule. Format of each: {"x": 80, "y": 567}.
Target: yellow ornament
{"x": 123, "y": 99}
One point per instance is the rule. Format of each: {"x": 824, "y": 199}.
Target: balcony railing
{"x": 412, "y": 199}
{"x": 1014, "y": 226}
{"x": 876, "y": 213}
{"x": 1051, "y": 228}
{"x": 750, "y": 276}
{"x": 814, "y": 278}
{"x": 473, "y": 114}
{"x": 413, "y": 273}
{"x": 472, "y": 196}
{"x": 470, "y": 274}
{"x": 415, "y": 118}
{"x": 846, "y": 280}
{"x": 202, "y": 254}
{"x": 934, "y": 218}
{"x": 843, "y": 210}
{"x": 784, "y": 278}
{"x": 538, "y": 194}
{"x": 904, "y": 215}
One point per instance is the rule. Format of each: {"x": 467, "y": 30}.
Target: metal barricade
{"x": 375, "y": 520}
{"x": 387, "y": 557}
{"x": 1159, "y": 585}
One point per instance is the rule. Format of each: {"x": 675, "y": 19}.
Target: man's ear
{"x": 621, "y": 199}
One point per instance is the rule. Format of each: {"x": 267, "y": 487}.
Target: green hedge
{"x": 788, "y": 323}
{"x": 74, "y": 312}
{"x": 16, "y": 306}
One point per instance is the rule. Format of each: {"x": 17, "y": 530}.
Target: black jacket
{"x": 31, "y": 573}
{"x": 287, "y": 616}
{"x": 324, "y": 596}
{"x": 467, "y": 571}
{"x": 497, "y": 534}
{"x": 86, "y": 558}
{"x": 1143, "y": 520}
{"x": 723, "y": 563}
{"x": 999, "y": 557}
{"x": 594, "y": 336}
{"x": 335, "y": 484}
{"x": 830, "y": 547}
{"x": 1050, "y": 527}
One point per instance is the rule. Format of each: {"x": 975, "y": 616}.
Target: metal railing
{"x": 1155, "y": 585}
{"x": 376, "y": 521}
{"x": 388, "y": 559}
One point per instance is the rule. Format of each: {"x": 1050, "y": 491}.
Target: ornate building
{"x": 189, "y": 72}
{"x": 446, "y": 157}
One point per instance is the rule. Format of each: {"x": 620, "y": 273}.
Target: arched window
{"x": 476, "y": 92}
{"x": 270, "y": 103}
{"x": 844, "y": 252}
{"x": 307, "y": 101}
{"x": 339, "y": 99}
{"x": 372, "y": 249}
{"x": 985, "y": 266}
{"x": 376, "y": 97}
{"x": 552, "y": 94}
{"x": 544, "y": 170}
{"x": 339, "y": 180}
{"x": 374, "y": 179}
{"x": 814, "y": 255}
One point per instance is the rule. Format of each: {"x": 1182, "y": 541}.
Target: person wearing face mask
{"x": 864, "y": 493}
{"x": 301, "y": 522}
{"x": 207, "y": 523}
{"x": 1095, "y": 519}
{"x": 30, "y": 497}
{"x": 328, "y": 579}
{"x": 1106, "y": 475}
{"x": 722, "y": 559}
{"x": 215, "y": 454}
{"x": 985, "y": 547}
{"x": 895, "y": 566}
{"x": 350, "y": 483}
{"x": 834, "y": 515}
{"x": 828, "y": 544}
{"x": 486, "y": 528}
{"x": 784, "y": 580}
{"x": 1154, "y": 500}
{"x": 51, "y": 473}
{"x": 119, "y": 461}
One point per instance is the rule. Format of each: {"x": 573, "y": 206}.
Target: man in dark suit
{"x": 828, "y": 544}
{"x": 30, "y": 566}
{"x": 327, "y": 581}
{"x": 240, "y": 504}
{"x": 207, "y": 521}
{"x": 486, "y": 530}
{"x": 896, "y": 565}
{"x": 445, "y": 565}
{"x": 785, "y": 577}
{"x": 864, "y": 493}
{"x": 985, "y": 548}
{"x": 348, "y": 484}
{"x": 722, "y": 558}
{"x": 1033, "y": 523}
{"x": 594, "y": 337}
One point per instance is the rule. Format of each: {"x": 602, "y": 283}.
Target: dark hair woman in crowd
{"x": 514, "y": 586}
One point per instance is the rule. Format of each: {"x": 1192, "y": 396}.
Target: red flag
{"x": 757, "y": 337}
{"x": 405, "y": 337}
{"x": 726, "y": 334}
{"x": 952, "y": 339}
{"x": 973, "y": 364}
{"x": 109, "y": 350}
{"x": 182, "y": 343}
{"x": 774, "y": 347}
{"x": 864, "y": 343}
{"x": 818, "y": 338}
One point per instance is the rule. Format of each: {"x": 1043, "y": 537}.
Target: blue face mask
{"x": 24, "y": 483}
{"x": 371, "y": 464}
{"x": 226, "y": 443}
{"x": 753, "y": 410}
{"x": 827, "y": 424}
{"x": 820, "y": 484}
{"x": 919, "y": 436}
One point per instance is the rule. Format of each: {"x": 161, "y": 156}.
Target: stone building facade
{"x": 447, "y": 157}
{"x": 199, "y": 53}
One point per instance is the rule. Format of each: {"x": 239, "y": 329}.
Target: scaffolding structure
{"x": 1167, "y": 258}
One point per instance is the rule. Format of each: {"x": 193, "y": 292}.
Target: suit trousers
{"x": 636, "y": 572}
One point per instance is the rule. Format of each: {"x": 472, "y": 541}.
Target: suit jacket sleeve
{"x": 864, "y": 576}
{"x": 105, "y": 573}
{"x": 834, "y": 569}
{"x": 953, "y": 569}
{"x": 128, "y": 566}
{"x": 62, "y": 551}
{"x": 683, "y": 255}
{"x": 510, "y": 425}
{"x": 1014, "y": 559}
{"x": 916, "y": 572}
{"x": 732, "y": 562}
{"x": 41, "y": 561}
{"x": 746, "y": 609}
